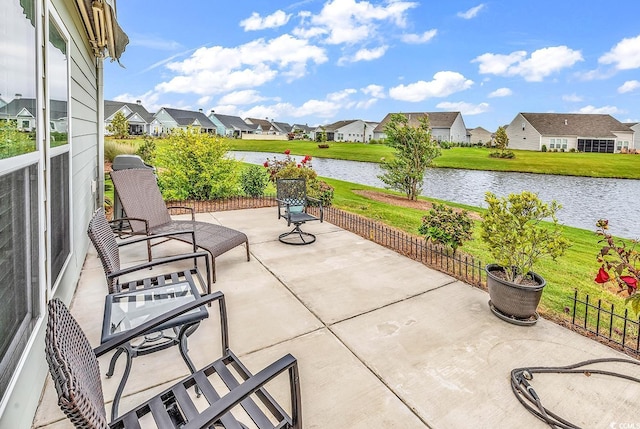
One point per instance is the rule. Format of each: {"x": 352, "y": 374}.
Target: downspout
{"x": 99, "y": 193}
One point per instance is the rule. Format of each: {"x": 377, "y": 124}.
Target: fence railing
{"x": 602, "y": 321}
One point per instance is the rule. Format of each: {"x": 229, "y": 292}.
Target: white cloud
{"x": 625, "y": 55}
{"x": 572, "y": 98}
{"x": 419, "y": 38}
{"x": 471, "y": 13}
{"x": 231, "y": 110}
{"x": 352, "y": 21}
{"x": 539, "y": 65}
{"x": 501, "y": 92}
{"x": 217, "y": 69}
{"x": 364, "y": 55}
{"x": 463, "y": 107}
{"x": 444, "y": 83}
{"x": 247, "y": 96}
{"x": 628, "y": 86}
{"x": 611, "y": 110}
{"x": 149, "y": 100}
{"x": 203, "y": 100}
{"x": 376, "y": 91}
{"x": 256, "y": 22}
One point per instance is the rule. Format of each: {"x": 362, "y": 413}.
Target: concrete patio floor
{"x": 381, "y": 341}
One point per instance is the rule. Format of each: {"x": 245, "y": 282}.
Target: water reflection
{"x": 584, "y": 199}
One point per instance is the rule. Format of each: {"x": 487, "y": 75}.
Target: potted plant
{"x": 519, "y": 230}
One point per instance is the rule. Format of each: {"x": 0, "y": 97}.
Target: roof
{"x": 264, "y": 124}
{"x": 234, "y": 122}
{"x": 575, "y": 124}
{"x": 185, "y": 118}
{"x": 436, "y": 119}
{"x": 111, "y": 107}
{"x": 282, "y": 126}
{"x": 338, "y": 125}
{"x": 14, "y": 107}
{"x": 305, "y": 128}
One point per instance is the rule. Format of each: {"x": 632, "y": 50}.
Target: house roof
{"x": 282, "y": 126}
{"x": 111, "y": 107}
{"x": 575, "y": 124}
{"x": 185, "y": 118}
{"x": 57, "y": 111}
{"x": 436, "y": 119}
{"x": 264, "y": 124}
{"x": 305, "y": 128}
{"x": 338, "y": 125}
{"x": 234, "y": 122}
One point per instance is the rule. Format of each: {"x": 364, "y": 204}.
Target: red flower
{"x": 602, "y": 276}
{"x": 287, "y": 152}
{"x": 266, "y": 164}
{"x": 632, "y": 283}
{"x": 304, "y": 161}
{"x": 299, "y": 166}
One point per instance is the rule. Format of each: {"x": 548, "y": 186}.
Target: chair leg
{"x": 184, "y": 333}
{"x": 127, "y": 370}
{"x": 302, "y": 239}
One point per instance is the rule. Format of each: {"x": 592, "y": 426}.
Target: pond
{"x": 584, "y": 199}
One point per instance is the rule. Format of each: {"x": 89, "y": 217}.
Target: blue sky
{"x": 318, "y": 62}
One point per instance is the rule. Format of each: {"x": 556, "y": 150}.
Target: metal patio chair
{"x": 108, "y": 249}
{"x": 73, "y": 365}
{"x": 147, "y": 214}
{"x": 293, "y": 204}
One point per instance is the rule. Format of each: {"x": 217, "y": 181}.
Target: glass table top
{"x": 127, "y": 310}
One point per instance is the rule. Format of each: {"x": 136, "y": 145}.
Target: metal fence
{"x": 602, "y": 321}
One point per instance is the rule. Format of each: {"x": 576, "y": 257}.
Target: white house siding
{"x": 86, "y": 132}
{"x": 353, "y": 132}
{"x": 519, "y": 138}
{"x": 166, "y": 120}
{"x": 636, "y": 136}
{"x": 458, "y": 131}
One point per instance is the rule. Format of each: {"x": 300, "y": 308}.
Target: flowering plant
{"x": 619, "y": 263}
{"x": 289, "y": 168}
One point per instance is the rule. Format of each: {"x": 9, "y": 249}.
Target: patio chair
{"x": 74, "y": 368}
{"x": 293, "y": 204}
{"x": 108, "y": 250}
{"x": 148, "y": 214}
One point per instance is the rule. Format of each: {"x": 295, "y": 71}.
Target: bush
{"x": 445, "y": 145}
{"x": 147, "y": 151}
{"x": 544, "y": 148}
{"x": 13, "y": 141}
{"x": 254, "y": 181}
{"x": 507, "y": 154}
{"x": 194, "y": 165}
{"x": 446, "y": 226}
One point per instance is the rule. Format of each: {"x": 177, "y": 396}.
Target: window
{"x": 552, "y": 143}
{"x": 19, "y": 199}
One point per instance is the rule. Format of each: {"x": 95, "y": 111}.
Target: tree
{"x": 119, "y": 126}
{"x": 501, "y": 141}
{"x": 414, "y": 152}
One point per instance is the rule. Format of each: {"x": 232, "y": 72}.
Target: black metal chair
{"x": 293, "y": 204}
{"x": 74, "y": 368}
{"x": 108, "y": 250}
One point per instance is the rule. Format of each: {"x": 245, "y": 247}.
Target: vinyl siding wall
{"x": 527, "y": 139}
{"x": 85, "y": 133}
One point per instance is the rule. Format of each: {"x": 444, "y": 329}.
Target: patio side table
{"x": 126, "y": 310}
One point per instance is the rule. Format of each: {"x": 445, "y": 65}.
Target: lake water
{"x": 584, "y": 200}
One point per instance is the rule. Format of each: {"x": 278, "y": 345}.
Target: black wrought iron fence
{"x": 602, "y": 321}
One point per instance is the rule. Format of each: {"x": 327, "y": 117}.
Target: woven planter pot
{"x": 514, "y": 302}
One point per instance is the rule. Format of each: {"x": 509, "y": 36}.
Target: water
{"x": 584, "y": 199}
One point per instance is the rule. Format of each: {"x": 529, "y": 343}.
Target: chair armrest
{"x": 129, "y": 219}
{"x": 193, "y": 216}
{"x": 247, "y": 388}
{"x": 166, "y": 260}
{"x": 153, "y": 323}
{"x": 160, "y": 235}
{"x": 319, "y": 205}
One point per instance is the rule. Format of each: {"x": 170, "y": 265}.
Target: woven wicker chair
{"x": 148, "y": 214}
{"x": 293, "y": 203}
{"x": 108, "y": 250}
{"x": 74, "y": 368}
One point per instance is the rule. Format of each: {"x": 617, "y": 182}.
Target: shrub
{"x": 446, "y": 226}
{"x": 194, "y": 165}
{"x": 13, "y": 141}
{"x": 254, "y": 181}
{"x": 544, "y": 148}
{"x": 506, "y": 154}
{"x": 147, "y": 151}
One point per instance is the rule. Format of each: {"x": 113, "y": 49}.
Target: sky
{"x": 317, "y": 62}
